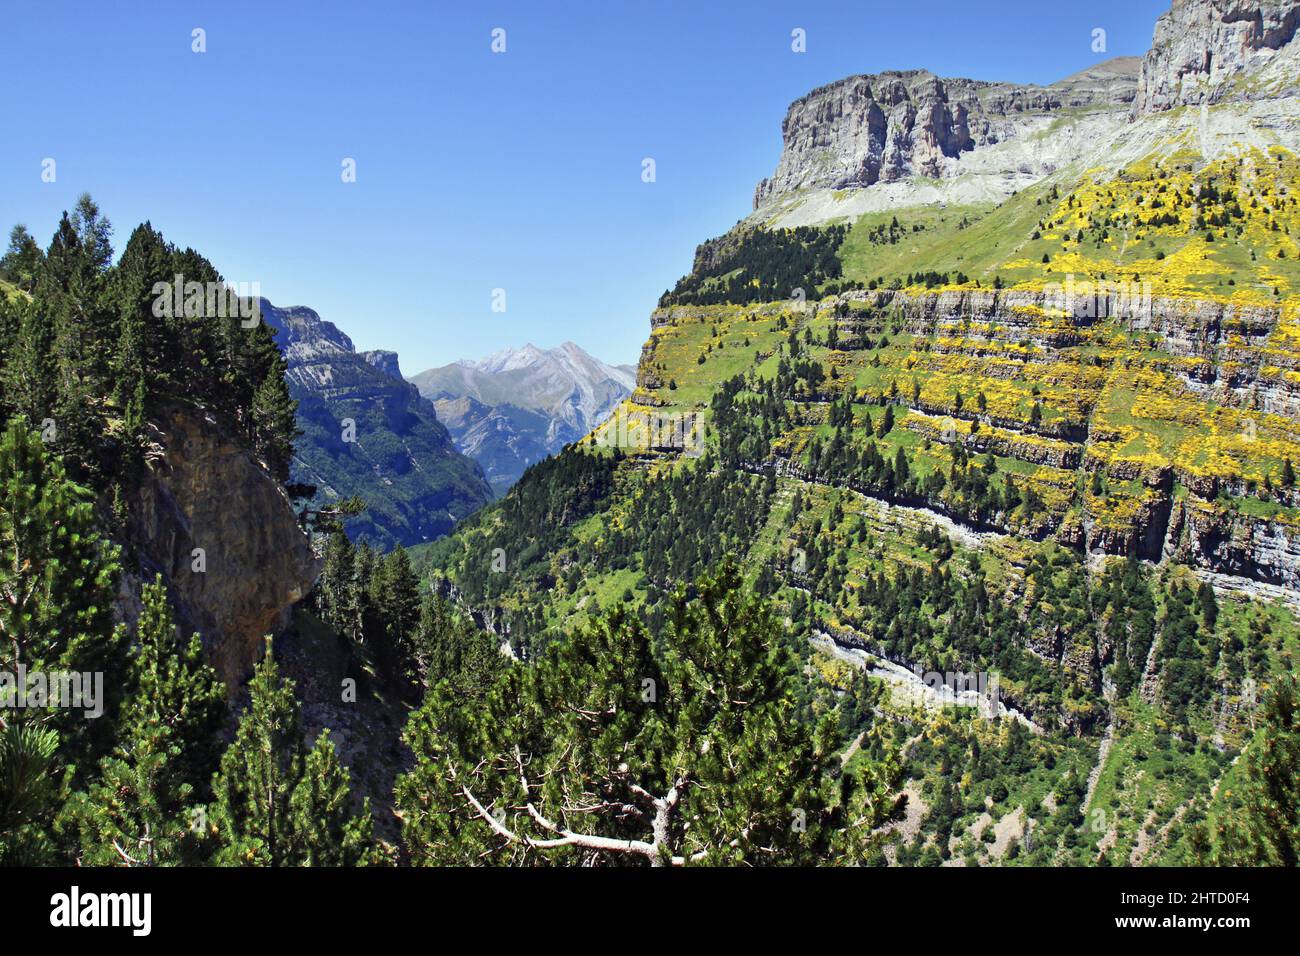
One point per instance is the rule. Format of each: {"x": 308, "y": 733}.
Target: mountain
{"x": 515, "y": 407}
{"x": 879, "y": 142}
{"x": 397, "y": 456}
{"x": 1209, "y": 52}
{"x": 994, "y": 380}
{"x": 898, "y": 127}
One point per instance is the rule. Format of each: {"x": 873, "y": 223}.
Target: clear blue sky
{"x": 475, "y": 171}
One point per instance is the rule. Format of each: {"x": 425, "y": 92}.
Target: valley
{"x": 1038, "y": 426}
{"x": 948, "y": 518}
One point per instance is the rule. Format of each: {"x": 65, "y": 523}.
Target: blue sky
{"x": 475, "y": 170}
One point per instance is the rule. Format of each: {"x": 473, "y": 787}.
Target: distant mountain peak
{"x": 527, "y": 355}
{"x": 528, "y": 402}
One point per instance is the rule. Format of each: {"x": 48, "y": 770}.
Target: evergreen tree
{"x": 601, "y": 751}
{"x": 325, "y": 830}
{"x": 27, "y": 785}
{"x": 398, "y": 599}
{"x": 95, "y": 247}
{"x": 68, "y": 292}
{"x": 335, "y": 596}
{"x": 276, "y": 804}
{"x": 94, "y": 232}
{"x": 258, "y": 774}
{"x": 56, "y": 593}
{"x": 364, "y": 629}
{"x": 30, "y": 370}
{"x": 274, "y": 424}
{"x": 447, "y": 647}
{"x": 22, "y": 261}
{"x": 174, "y": 687}
{"x": 57, "y": 577}
{"x": 141, "y": 358}
{"x": 141, "y": 809}
{"x": 1263, "y": 828}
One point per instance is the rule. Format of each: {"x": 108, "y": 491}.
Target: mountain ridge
{"x": 1217, "y": 75}
{"x": 397, "y": 455}
{"x": 512, "y": 408}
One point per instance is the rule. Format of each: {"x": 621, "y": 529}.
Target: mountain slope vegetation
{"x": 1047, "y": 441}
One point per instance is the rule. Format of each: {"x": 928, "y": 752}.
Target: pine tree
{"x": 174, "y": 686}
{"x": 30, "y": 370}
{"x": 398, "y": 598}
{"x": 276, "y": 804}
{"x": 447, "y": 647}
{"x": 94, "y": 231}
{"x": 142, "y": 809}
{"x": 886, "y": 423}
{"x": 22, "y": 261}
{"x": 133, "y": 814}
{"x": 95, "y": 248}
{"x": 57, "y": 576}
{"x": 274, "y": 423}
{"x": 258, "y": 775}
{"x": 27, "y": 786}
{"x": 255, "y": 360}
{"x": 698, "y": 756}
{"x": 325, "y": 830}
{"x": 56, "y": 594}
{"x": 1264, "y": 829}
{"x": 335, "y": 597}
{"x": 141, "y": 350}
{"x": 68, "y": 291}
{"x": 363, "y": 628}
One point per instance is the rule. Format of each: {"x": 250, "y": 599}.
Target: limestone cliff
{"x": 1210, "y": 351}
{"x": 1212, "y": 51}
{"x": 887, "y": 127}
{"x": 890, "y": 140}
{"x": 220, "y": 530}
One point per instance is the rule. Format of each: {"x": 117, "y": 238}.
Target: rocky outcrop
{"x": 878, "y": 143}
{"x": 385, "y": 361}
{"x": 889, "y": 126}
{"x": 1215, "y": 537}
{"x": 1216, "y": 51}
{"x": 1187, "y": 325}
{"x": 220, "y": 530}
{"x": 503, "y": 439}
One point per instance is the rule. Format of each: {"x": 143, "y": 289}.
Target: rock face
{"x": 385, "y": 361}
{"x": 517, "y": 406}
{"x": 882, "y": 142}
{"x": 204, "y": 490}
{"x": 1216, "y": 351}
{"x": 395, "y": 454}
{"x": 890, "y": 126}
{"x": 1216, "y": 51}
{"x": 1208, "y": 535}
{"x": 503, "y": 439}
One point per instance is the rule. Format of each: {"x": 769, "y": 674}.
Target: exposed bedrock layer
{"x": 221, "y": 532}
